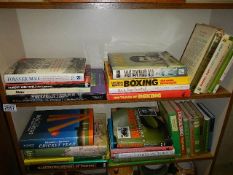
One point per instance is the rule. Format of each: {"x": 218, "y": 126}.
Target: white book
{"x": 214, "y": 64}
{"x": 46, "y": 70}
{"x": 148, "y": 88}
{"x": 48, "y": 91}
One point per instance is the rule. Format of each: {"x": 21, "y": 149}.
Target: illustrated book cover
{"x": 58, "y": 128}
{"x": 46, "y": 70}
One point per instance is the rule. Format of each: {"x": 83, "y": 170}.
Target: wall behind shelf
{"x": 92, "y": 32}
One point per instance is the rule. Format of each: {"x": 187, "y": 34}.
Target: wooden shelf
{"x": 113, "y": 4}
{"x": 204, "y": 156}
{"x": 222, "y": 93}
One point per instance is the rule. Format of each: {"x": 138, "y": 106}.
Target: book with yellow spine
{"x": 132, "y": 82}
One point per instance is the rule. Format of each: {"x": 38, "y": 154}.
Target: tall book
{"x": 169, "y": 114}
{"x": 214, "y": 64}
{"x": 98, "y": 149}
{"x": 58, "y": 128}
{"x": 179, "y": 114}
{"x": 46, "y": 70}
{"x": 143, "y": 65}
{"x": 199, "y": 50}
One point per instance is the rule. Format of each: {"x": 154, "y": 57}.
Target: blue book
{"x": 112, "y": 140}
{"x": 58, "y": 128}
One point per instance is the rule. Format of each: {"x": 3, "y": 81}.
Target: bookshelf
{"x": 27, "y": 26}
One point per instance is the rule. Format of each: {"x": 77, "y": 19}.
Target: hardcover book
{"x": 143, "y": 65}
{"x": 58, "y": 128}
{"x": 199, "y": 49}
{"x": 46, "y": 70}
{"x": 98, "y": 149}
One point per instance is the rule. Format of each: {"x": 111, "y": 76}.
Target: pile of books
{"x": 53, "y": 79}
{"x": 138, "y": 134}
{"x": 69, "y": 139}
{"x": 208, "y": 56}
{"x": 190, "y": 125}
{"x": 145, "y": 75}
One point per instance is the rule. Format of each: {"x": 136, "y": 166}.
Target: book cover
{"x": 179, "y": 114}
{"x": 58, "y": 128}
{"x": 98, "y": 149}
{"x": 197, "y": 47}
{"x": 169, "y": 114}
{"x": 221, "y": 69}
{"x": 214, "y": 64}
{"x": 149, "y": 95}
{"x": 137, "y": 82}
{"x": 47, "y": 85}
{"x": 46, "y": 70}
{"x": 142, "y": 65}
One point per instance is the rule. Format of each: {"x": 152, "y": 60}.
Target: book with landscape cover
{"x": 139, "y": 127}
{"x": 98, "y": 149}
{"x": 169, "y": 114}
{"x": 214, "y": 64}
{"x": 46, "y": 70}
{"x": 58, "y": 128}
{"x": 145, "y": 64}
{"x": 199, "y": 50}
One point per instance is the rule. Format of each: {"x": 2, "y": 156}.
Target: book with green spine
{"x": 169, "y": 114}
{"x": 222, "y": 68}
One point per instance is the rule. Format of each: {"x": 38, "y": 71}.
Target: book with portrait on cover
{"x": 145, "y": 64}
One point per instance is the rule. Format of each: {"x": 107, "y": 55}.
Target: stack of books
{"x": 52, "y": 79}
{"x": 138, "y": 134}
{"x": 67, "y": 139}
{"x": 190, "y": 125}
{"x": 208, "y": 57}
{"x": 145, "y": 75}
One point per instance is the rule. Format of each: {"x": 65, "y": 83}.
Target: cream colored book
{"x": 214, "y": 64}
{"x": 202, "y": 42}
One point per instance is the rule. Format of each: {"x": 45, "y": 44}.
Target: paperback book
{"x": 58, "y": 128}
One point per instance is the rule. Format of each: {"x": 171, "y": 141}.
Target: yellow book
{"x": 133, "y": 82}
{"x": 36, "y": 161}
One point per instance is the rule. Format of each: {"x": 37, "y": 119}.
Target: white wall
{"x": 93, "y": 32}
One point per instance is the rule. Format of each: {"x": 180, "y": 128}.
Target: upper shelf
{"x": 113, "y": 4}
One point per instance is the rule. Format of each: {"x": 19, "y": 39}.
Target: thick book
{"x": 169, "y": 114}
{"x": 143, "y": 65}
{"x": 98, "y": 149}
{"x": 199, "y": 49}
{"x": 214, "y": 64}
{"x": 46, "y": 70}
{"x": 98, "y": 92}
{"x": 138, "y": 82}
{"x": 149, "y": 95}
{"x": 58, "y": 128}
{"x": 48, "y": 85}
{"x": 139, "y": 127}
{"x": 221, "y": 70}
{"x": 180, "y": 115}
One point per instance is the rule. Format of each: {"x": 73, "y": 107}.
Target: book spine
{"x": 142, "y": 149}
{"x": 171, "y": 120}
{"x": 144, "y": 154}
{"x": 213, "y": 65}
{"x": 148, "y": 88}
{"x": 187, "y": 135}
{"x": 36, "y": 161}
{"x": 26, "y": 78}
{"x": 221, "y": 70}
{"x": 64, "y": 166}
{"x": 180, "y": 125}
{"x": 111, "y": 134}
{"x": 149, "y": 95}
{"x": 146, "y": 73}
{"x": 121, "y": 83}
{"x": 50, "y": 90}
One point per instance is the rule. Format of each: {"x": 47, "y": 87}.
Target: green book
{"x": 98, "y": 149}
{"x": 169, "y": 114}
{"x": 195, "y": 119}
{"x": 222, "y": 68}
